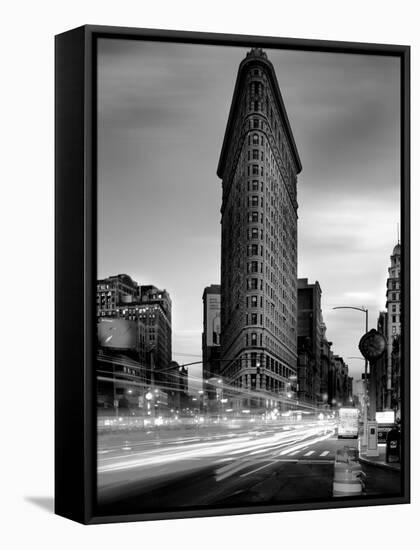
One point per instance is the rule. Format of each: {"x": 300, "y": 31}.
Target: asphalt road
{"x": 151, "y": 471}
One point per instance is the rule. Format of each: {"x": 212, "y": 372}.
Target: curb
{"x": 383, "y": 465}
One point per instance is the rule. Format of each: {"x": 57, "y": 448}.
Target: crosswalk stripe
{"x": 309, "y": 453}
{"x": 325, "y": 453}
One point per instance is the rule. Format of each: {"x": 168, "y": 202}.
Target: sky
{"x": 162, "y": 114}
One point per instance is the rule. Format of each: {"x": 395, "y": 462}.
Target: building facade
{"x": 119, "y": 297}
{"x": 326, "y": 360}
{"x": 340, "y": 384}
{"x": 113, "y": 291}
{"x": 310, "y": 330}
{"x": 178, "y": 398}
{"x": 387, "y": 369}
{"x": 393, "y": 317}
{"x": 211, "y": 332}
{"x": 258, "y": 165}
{"x": 381, "y": 366}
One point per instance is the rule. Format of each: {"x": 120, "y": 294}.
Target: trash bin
{"x": 393, "y": 445}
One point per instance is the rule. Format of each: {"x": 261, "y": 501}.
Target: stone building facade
{"x": 259, "y": 164}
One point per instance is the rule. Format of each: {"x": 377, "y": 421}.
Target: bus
{"x": 348, "y": 423}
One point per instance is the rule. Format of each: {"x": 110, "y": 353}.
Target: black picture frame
{"x": 75, "y": 265}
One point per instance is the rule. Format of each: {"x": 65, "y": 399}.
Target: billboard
{"x": 385, "y": 417}
{"x": 117, "y": 333}
{"x": 213, "y": 319}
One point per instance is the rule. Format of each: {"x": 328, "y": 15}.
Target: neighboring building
{"x": 340, "y": 387}
{"x": 177, "y": 387}
{"x": 121, "y": 382}
{"x": 389, "y": 325}
{"x": 154, "y": 309}
{"x": 258, "y": 165}
{"x": 393, "y": 308}
{"x": 396, "y": 376}
{"x": 211, "y": 332}
{"x": 113, "y": 291}
{"x": 121, "y": 373}
{"x": 310, "y": 333}
{"x": 381, "y": 366}
{"x": 120, "y": 297}
{"x": 326, "y": 360}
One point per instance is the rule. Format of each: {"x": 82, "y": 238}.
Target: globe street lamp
{"x": 366, "y": 312}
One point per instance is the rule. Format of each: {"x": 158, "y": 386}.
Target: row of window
{"x": 259, "y": 361}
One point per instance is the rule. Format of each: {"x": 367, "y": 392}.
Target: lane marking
{"x": 230, "y": 469}
{"x": 257, "y": 469}
{"x": 309, "y": 453}
{"x": 317, "y": 461}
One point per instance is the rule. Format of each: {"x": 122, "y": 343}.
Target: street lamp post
{"x": 365, "y": 415}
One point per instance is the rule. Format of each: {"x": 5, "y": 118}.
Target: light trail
{"x": 239, "y": 447}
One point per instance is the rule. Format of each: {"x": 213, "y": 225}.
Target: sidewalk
{"x": 378, "y": 461}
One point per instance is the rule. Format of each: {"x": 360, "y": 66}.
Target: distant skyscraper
{"x": 258, "y": 165}
{"x": 389, "y": 324}
{"x": 393, "y": 297}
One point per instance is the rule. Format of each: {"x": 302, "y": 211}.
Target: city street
{"x": 225, "y": 465}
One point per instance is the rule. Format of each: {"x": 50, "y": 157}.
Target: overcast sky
{"x": 162, "y": 113}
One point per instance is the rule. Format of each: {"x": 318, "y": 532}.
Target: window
{"x": 255, "y": 139}
{"x": 253, "y": 284}
{"x": 256, "y": 123}
{"x": 254, "y": 301}
{"x": 254, "y": 233}
{"x": 253, "y": 217}
{"x": 255, "y": 185}
{"x": 394, "y": 318}
{"x": 252, "y": 250}
{"x": 253, "y": 267}
{"x": 255, "y": 154}
{"x": 254, "y": 343}
{"x": 255, "y": 170}
{"x": 254, "y": 318}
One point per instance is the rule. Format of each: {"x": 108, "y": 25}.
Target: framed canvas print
{"x": 232, "y": 274}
